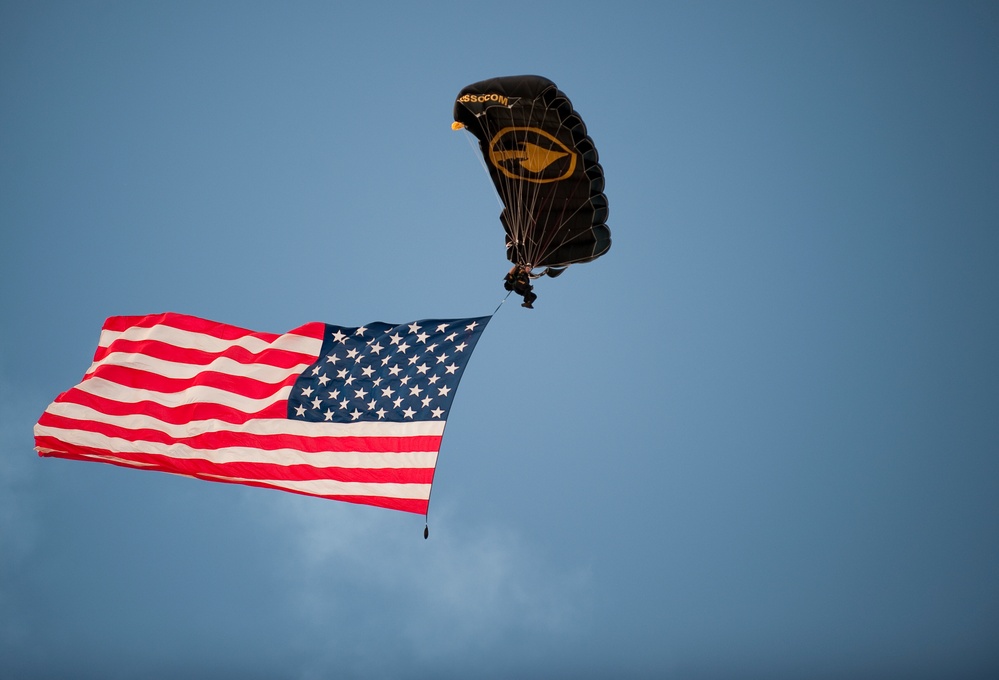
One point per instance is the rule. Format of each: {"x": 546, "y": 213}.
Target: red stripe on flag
{"x": 197, "y": 325}
{"x": 241, "y": 470}
{"x": 215, "y": 440}
{"x": 414, "y": 505}
{"x": 174, "y": 415}
{"x": 156, "y": 349}
{"x": 251, "y": 388}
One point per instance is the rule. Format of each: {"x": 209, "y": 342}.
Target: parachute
{"x": 545, "y": 168}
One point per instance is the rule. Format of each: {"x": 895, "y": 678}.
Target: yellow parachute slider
{"x": 457, "y": 126}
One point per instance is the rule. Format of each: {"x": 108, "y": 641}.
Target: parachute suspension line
{"x": 546, "y": 234}
{"x": 518, "y": 230}
{"x": 549, "y": 244}
{"x": 536, "y": 210}
{"x": 538, "y": 254}
{"x": 526, "y": 197}
{"x": 469, "y": 137}
{"x": 518, "y": 216}
{"x": 541, "y": 248}
{"x": 506, "y": 195}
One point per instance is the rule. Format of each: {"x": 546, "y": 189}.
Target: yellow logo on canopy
{"x": 531, "y": 154}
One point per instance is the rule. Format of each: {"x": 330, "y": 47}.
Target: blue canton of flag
{"x": 385, "y": 372}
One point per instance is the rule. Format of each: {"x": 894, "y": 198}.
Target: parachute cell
{"x": 545, "y": 168}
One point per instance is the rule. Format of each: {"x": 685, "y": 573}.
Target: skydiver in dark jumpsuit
{"x": 519, "y": 281}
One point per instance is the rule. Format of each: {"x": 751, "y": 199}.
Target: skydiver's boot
{"x": 529, "y": 298}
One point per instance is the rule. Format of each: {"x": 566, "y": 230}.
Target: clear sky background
{"x": 758, "y": 439}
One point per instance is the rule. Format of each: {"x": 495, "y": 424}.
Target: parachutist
{"x": 519, "y": 281}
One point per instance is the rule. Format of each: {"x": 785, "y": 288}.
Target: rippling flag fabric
{"x": 353, "y": 414}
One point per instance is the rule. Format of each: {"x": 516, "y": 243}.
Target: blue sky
{"x": 757, "y": 439}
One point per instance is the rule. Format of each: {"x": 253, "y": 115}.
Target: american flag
{"x": 351, "y": 414}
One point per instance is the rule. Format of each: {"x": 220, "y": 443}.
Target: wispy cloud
{"x": 467, "y": 587}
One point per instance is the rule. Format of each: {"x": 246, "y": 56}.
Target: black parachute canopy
{"x": 545, "y": 168}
